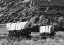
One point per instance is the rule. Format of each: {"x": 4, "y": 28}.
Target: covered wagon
{"x": 47, "y": 30}
{"x": 17, "y": 29}
{"x": 12, "y": 28}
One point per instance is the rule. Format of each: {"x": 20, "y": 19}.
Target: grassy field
{"x": 57, "y": 40}
{"x": 49, "y": 41}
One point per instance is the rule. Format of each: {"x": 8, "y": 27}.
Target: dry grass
{"x": 49, "y": 41}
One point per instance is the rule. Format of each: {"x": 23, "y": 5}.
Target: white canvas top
{"x": 46, "y": 29}
{"x": 15, "y": 26}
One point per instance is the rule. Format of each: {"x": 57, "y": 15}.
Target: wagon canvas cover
{"x": 16, "y": 26}
{"x": 45, "y": 29}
